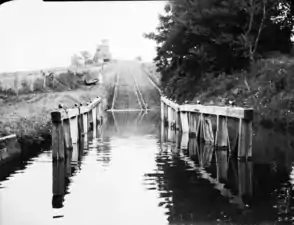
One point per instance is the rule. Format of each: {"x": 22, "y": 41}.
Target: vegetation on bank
{"x": 28, "y": 113}
{"x": 228, "y": 49}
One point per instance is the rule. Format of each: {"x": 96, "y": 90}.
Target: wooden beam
{"x": 170, "y": 103}
{"x": 7, "y": 137}
{"x": 61, "y": 114}
{"x": 228, "y": 111}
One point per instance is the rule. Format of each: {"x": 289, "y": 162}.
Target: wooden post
{"x": 57, "y": 136}
{"x": 80, "y": 127}
{"x": 85, "y": 123}
{"x": 184, "y": 121}
{"x": 75, "y": 153}
{"x": 169, "y": 115}
{"x": 94, "y": 118}
{"x": 222, "y": 135}
{"x": 193, "y": 123}
{"x": 207, "y": 130}
{"x": 161, "y": 110}
{"x": 74, "y": 129}
{"x": 67, "y": 135}
{"x": 200, "y": 133}
{"x": 245, "y": 139}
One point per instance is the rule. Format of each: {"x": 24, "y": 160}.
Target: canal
{"x": 138, "y": 172}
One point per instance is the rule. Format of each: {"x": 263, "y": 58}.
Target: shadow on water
{"x": 27, "y": 151}
{"x": 198, "y": 183}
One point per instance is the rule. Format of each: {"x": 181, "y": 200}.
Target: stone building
{"x": 103, "y": 52}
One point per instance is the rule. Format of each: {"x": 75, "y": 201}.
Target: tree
{"x": 200, "y": 37}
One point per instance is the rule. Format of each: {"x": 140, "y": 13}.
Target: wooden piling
{"x": 245, "y": 139}
{"x": 184, "y": 121}
{"x": 94, "y": 118}
{"x": 85, "y": 123}
{"x": 67, "y": 134}
{"x": 221, "y": 132}
{"x": 74, "y": 129}
{"x": 207, "y": 130}
{"x": 204, "y": 126}
{"x": 57, "y": 140}
{"x": 162, "y": 111}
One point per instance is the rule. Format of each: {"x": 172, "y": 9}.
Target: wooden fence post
{"x": 222, "y": 135}
{"x": 74, "y": 129}
{"x": 94, "y": 117}
{"x": 57, "y": 136}
{"x": 67, "y": 135}
{"x": 184, "y": 121}
{"x": 245, "y": 139}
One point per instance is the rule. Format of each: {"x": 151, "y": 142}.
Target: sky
{"x": 38, "y": 35}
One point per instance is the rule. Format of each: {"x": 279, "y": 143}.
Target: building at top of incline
{"x": 103, "y": 52}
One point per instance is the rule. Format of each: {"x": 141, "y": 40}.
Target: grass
{"x": 28, "y": 113}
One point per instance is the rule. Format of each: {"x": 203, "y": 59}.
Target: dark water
{"x": 136, "y": 172}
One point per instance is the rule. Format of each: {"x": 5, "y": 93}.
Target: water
{"x": 134, "y": 173}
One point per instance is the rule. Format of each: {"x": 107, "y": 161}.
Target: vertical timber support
{"x": 57, "y": 137}
{"x": 162, "y": 110}
{"x": 222, "y": 135}
{"x": 94, "y": 117}
{"x": 245, "y": 139}
{"x": 67, "y": 135}
{"x": 74, "y": 129}
{"x": 184, "y": 121}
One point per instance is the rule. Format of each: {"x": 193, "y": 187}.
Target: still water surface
{"x": 137, "y": 172}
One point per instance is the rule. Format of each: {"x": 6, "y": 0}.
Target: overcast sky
{"x": 37, "y": 35}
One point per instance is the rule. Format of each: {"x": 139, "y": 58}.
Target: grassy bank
{"x": 269, "y": 90}
{"x": 28, "y": 113}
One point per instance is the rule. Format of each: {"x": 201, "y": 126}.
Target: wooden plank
{"x": 170, "y": 103}
{"x": 83, "y": 109}
{"x": 7, "y": 137}
{"x": 236, "y": 112}
{"x": 62, "y": 114}
{"x": 94, "y": 103}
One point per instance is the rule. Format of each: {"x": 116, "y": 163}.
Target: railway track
{"x": 125, "y": 93}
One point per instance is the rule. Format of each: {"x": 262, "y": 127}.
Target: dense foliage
{"x": 202, "y": 39}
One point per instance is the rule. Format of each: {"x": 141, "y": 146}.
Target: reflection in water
{"x": 251, "y": 193}
{"x": 135, "y": 172}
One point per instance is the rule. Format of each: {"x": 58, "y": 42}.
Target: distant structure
{"x": 102, "y": 52}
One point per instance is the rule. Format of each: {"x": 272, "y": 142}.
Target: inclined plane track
{"x": 123, "y": 90}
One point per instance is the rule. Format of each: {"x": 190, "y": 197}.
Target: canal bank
{"x": 27, "y": 116}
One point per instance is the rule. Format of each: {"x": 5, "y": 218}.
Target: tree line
{"x": 202, "y": 39}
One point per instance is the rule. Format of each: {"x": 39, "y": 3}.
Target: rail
{"x": 70, "y": 126}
